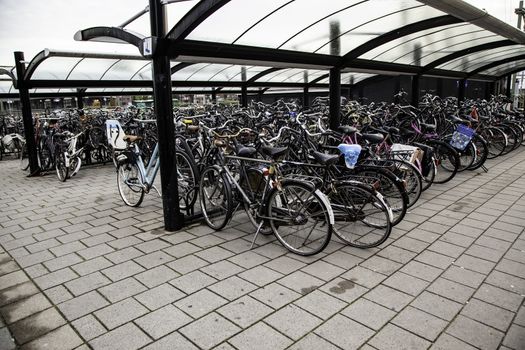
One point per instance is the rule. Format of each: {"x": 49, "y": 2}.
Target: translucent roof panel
{"x": 504, "y": 68}
{"x": 293, "y": 75}
{"x": 55, "y": 68}
{"x": 6, "y": 87}
{"x": 91, "y": 69}
{"x": 304, "y": 25}
{"x": 124, "y": 69}
{"x": 475, "y": 60}
{"x": 216, "y": 72}
{"x": 432, "y": 44}
{"x": 349, "y": 78}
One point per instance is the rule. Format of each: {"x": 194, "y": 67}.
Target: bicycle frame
{"x": 148, "y": 174}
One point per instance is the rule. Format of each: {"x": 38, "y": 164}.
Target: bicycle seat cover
{"x": 373, "y": 138}
{"x": 325, "y": 159}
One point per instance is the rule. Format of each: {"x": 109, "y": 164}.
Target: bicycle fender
{"x": 326, "y": 202}
{"x": 388, "y": 208}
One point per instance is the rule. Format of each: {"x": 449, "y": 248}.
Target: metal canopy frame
{"x": 163, "y": 46}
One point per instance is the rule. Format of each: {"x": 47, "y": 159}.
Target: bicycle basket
{"x": 461, "y": 137}
{"x": 351, "y": 154}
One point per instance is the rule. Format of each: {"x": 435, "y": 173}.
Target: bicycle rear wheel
{"x": 24, "y": 158}
{"x": 186, "y": 180}
{"x": 60, "y": 165}
{"x": 215, "y": 198}
{"x": 482, "y": 152}
{"x": 362, "y": 218}
{"x": 299, "y": 217}
{"x": 129, "y": 182}
{"x": 496, "y": 141}
{"x": 446, "y": 161}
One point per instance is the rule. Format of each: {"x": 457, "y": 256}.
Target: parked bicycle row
{"x": 301, "y": 181}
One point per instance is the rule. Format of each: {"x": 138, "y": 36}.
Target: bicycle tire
{"x": 467, "y": 157}
{"x": 408, "y": 172}
{"x": 24, "y": 158}
{"x": 361, "y": 217}
{"x": 482, "y": 152}
{"x": 446, "y": 161}
{"x": 429, "y": 179}
{"x": 61, "y": 168}
{"x": 186, "y": 180}
{"x": 496, "y": 141}
{"x": 215, "y": 196}
{"x": 129, "y": 183}
{"x": 295, "y": 205}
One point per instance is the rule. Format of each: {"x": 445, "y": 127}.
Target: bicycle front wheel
{"x": 216, "y": 198}
{"x": 60, "y": 166}
{"x": 129, "y": 182}
{"x": 362, "y": 217}
{"x": 299, "y": 217}
{"x": 186, "y": 180}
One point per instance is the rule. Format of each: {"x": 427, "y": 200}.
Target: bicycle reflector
{"x": 351, "y": 154}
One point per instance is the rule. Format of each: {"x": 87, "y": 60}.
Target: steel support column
{"x": 244, "y": 96}
{"x": 415, "y": 90}
{"x": 335, "y": 97}
{"x": 173, "y": 218}
{"x": 26, "y": 114}
{"x": 508, "y": 85}
{"x": 461, "y": 89}
{"x": 306, "y": 97}
{"x": 80, "y": 99}
{"x": 213, "y": 96}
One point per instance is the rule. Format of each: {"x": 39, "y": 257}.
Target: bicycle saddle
{"x": 325, "y": 159}
{"x": 274, "y": 152}
{"x": 132, "y": 138}
{"x": 247, "y": 152}
{"x": 373, "y": 138}
{"x": 192, "y": 128}
{"x": 347, "y": 129}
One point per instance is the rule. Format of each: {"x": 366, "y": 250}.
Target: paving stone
{"x": 368, "y": 313}
{"x": 214, "y": 254}
{"x": 6, "y": 340}
{"x": 121, "y": 271}
{"x": 123, "y": 255}
{"x": 364, "y": 277}
{"x": 345, "y": 290}
{"x": 260, "y": 275}
{"x": 381, "y": 265}
{"x": 388, "y": 297}
{"x": 423, "y": 235}
{"x": 12, "y": 279}
{"x": 500, "y": 225}
{"x": 332, "y": 330}
{"x": 87, "y": 283}
{"x": 159, "y": 296}
{"x": 275, "y": 295}
{"x": 183, "y": 249}
{"x": 397, "y": 254}
{"x": 520, "y": 317}
{"x": 410, "y": 244}
{"x": 223, "y": 329}
{"x": 163, "y": 321}
{"x": 32, "y": 259}
{"x": 516, "y": 255}
{"x": 248, "y": 259}
{"x": 63, "y": 338}
{"x": 437, "y": 305}
{"x": 393, "y": 337}
{"x": 515, "y": 338}
{"x": 187, "y": 264}
{"x": 323, "y": 270}
{"x": 447, "y": 249}
{"x": 312, "y": 341}
{"x": 320, "y": 304}
{"x": 88, "y": 327}
{"x": 447, "y": 342}
{"x": 512, "y": 268}
{"x": 120, "y": 313}
{"x": 464, "y": 276}
{"x": 122, "y": 289}
{"x": 58, "y": 294}
{"x": 93, "y": 252}
{"x": 127, "y": 337}
{"x": 435, "y": 259}
{"x": 474, "y": 264}
{"x": 200, "y": 303}
{"x": 406, "y": 283}
{"x": 36, "y": 325}
{"x": 494, "y": 243}
{"x": 173, "y": 341}
{"x": 421, "y": 323}
{"x": 488, "y": 314}
{"x": 154, "y": 259}
{"x": 301, "y": 282}
{"x": 457, "y": 239}
{"x": 451, "y": 290}
{"x": 475, "y": 333}
{"x": 244, "y": 311}
{"x": 232, "y": 287}
{"x": 82, "y": 305}
{"x": 67, "y": 248}
{"x": 156, "y": 276}
{"x": 23, "y": 308}
{"x": 499, "y": 297}
{"x": 260, "y": 337}
{"x": 193, "y": 282}
{"x": 91, "y": 266}
{"x": 342, "y": 259}
{"x": 222, "y": 269}
{"x": 124, "y": 242}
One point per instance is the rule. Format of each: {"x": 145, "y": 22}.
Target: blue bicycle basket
{"x": 461, "y": 137}
{"x": 351, "y": 154}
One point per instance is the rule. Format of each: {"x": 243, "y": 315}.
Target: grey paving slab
{"x": 260, "y": 337}
{"x": 336, "y": 329}
{"x": 245, "y": 311}
{"x": 475, "y": 333}
{"x": 393, "y": 337}
{"x": 369, "y": 313}
{"x": 421, "y": 323}
{"x": 222, "y": 330}
{"x": 163, "y": 321}
{"x": 126, "y": 337}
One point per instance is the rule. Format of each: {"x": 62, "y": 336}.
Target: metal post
{"x": 415, "y": 90}
{"x": 306, "y": 98}
{"x": 27, "y": 116}
{"x": 508, "y": 85}
{"x": 335, "y": 97}
{"x": 461, "y": 89}
{"x": 439, "y": 87}
{"x": 80, "y": 99}
{"x": 490, "y": 89}
{"x": 244, "y": 96}
{"x": 173, "y": 218}
{"x": 213, "y": 96}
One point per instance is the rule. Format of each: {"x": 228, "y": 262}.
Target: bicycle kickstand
{"x": 484, "y": 168}
{"x": 256, "y": 234}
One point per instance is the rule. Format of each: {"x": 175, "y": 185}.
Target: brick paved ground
{"x": 80, "y": 270}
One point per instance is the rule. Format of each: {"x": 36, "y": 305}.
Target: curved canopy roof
{"x": 291, "y": 43}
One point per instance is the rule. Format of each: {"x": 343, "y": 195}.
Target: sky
{"x": 32, "y": 25}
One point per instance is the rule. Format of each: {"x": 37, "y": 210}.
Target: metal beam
{"x": 461, "y": 89}
{"x": 115, "y": 35}
{"x": 518, "y": 69}
{"x": 180, "y": 66}
{"x": 497, "y": 63}
{"x": 335, "y": 98}
{"x": 262, "y": 74}
{"x": 194, "y": 17}
{"x": 398, "y": 33}
{"x": 467, "y": 51}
